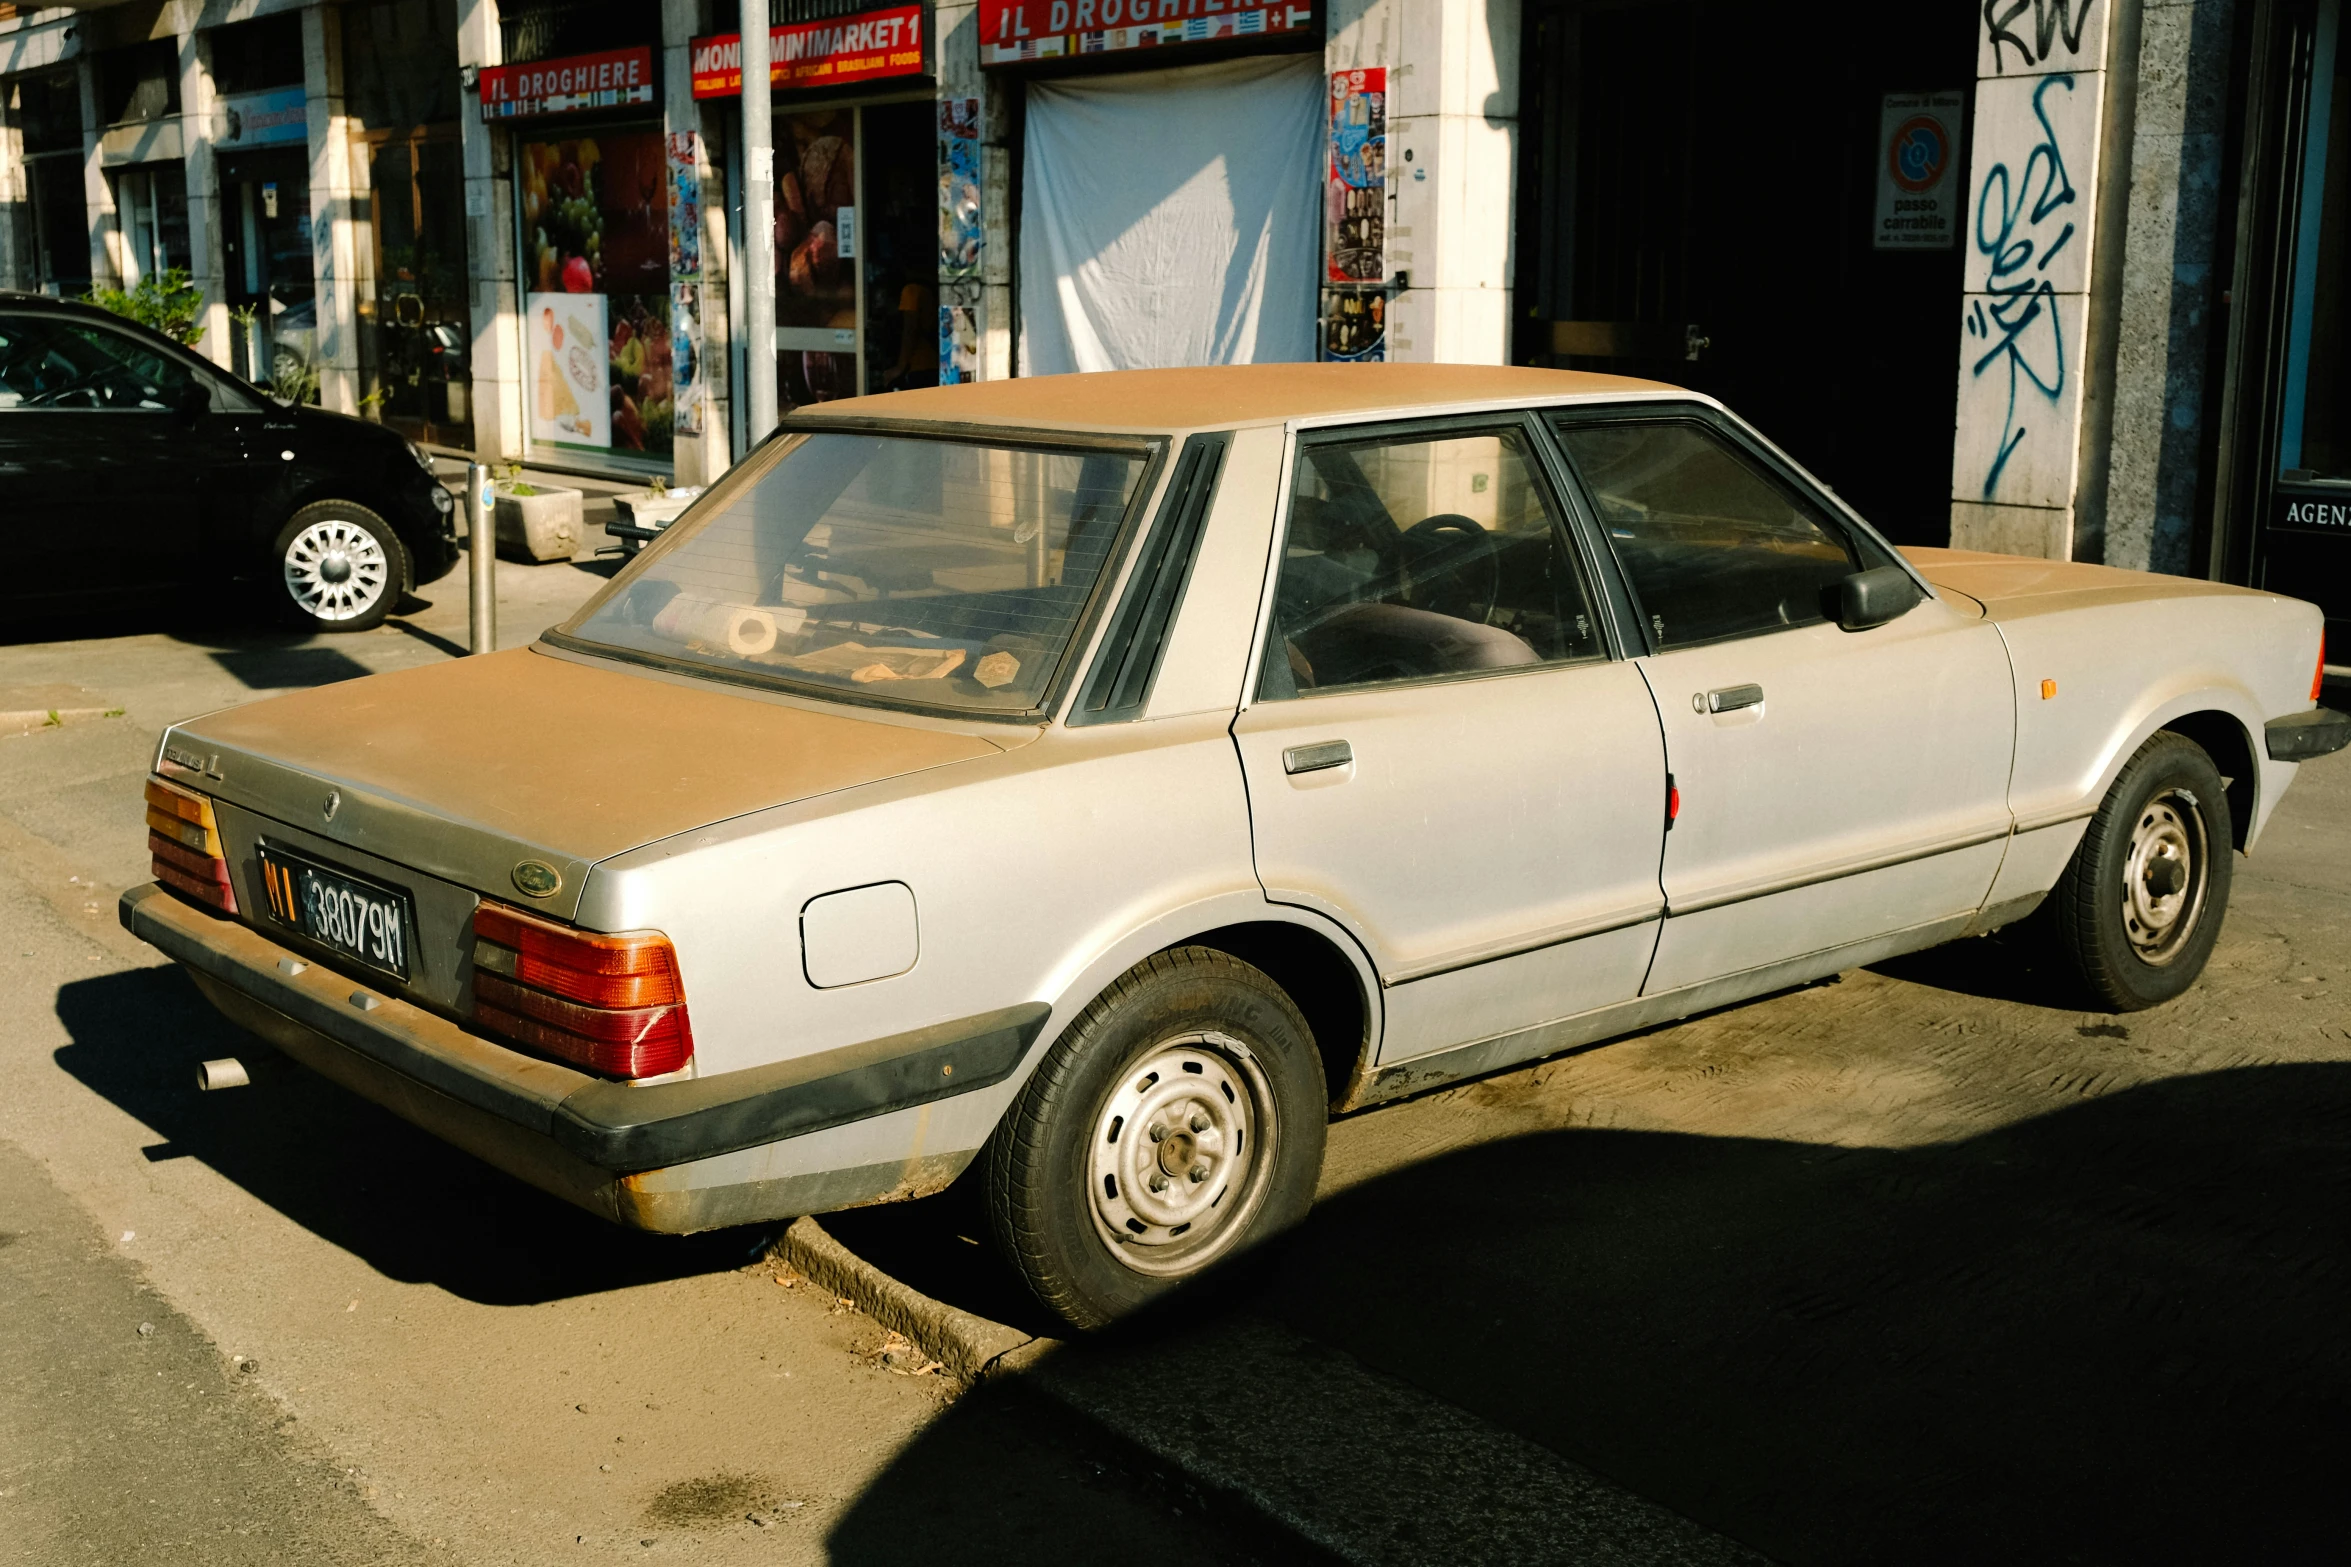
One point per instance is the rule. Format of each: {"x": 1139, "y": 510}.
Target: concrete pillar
{"x": 2168, "y": 285}
{"x": 97, "y": 191}
{"x": 334, "y": 210}
{"x": 2033, "y": 255}
{"x": 207, "y": 259}
{"x": 989, "y": 296}
{"x": 699, "y": 459}
{"x": 18, "y": 268}
{"x": 1453, "y": 72}
{"x": 496, "y": 310}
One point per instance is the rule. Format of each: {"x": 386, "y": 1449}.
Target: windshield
{"x": 945, "y": 574}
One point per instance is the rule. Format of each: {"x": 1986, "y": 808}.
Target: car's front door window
{"x": 1714, "y": 547}
{"x": 81, "y": 365}
{"x": 1411, "y": 558}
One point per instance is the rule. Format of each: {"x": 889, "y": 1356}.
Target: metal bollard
{"x": 481, "y": 549}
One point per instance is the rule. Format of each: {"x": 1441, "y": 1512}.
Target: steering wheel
{"x": 1436, "y": 552}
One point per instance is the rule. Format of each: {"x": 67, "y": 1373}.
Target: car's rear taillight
{"x": 2318, "y": 679}
{"x": 612, "y": 1004}
{"x": 184, "y": 837}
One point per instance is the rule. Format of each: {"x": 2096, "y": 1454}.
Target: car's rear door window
{"x": 1414, "y": 556}
{"x": 935, "y": 573}
{"x": 1714, "y": 547}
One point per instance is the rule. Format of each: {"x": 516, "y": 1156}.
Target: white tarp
{"x": 1172, "y": 217}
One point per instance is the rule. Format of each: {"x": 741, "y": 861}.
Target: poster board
{"x": 571, "y": 379}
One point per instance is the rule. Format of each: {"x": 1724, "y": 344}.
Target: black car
{"x": 132, "y": 469}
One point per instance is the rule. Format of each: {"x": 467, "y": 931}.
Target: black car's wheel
{"x": 1178, "y": 1122}
{"x": 340, "y": 567}
{"x": 2139, "y": 907}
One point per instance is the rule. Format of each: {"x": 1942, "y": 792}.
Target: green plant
{"x": 169, "y": 302}
{"x": 517, "y": 487}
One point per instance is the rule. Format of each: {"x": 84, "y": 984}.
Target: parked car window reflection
{"x": 939, "y": 573}
{"x": 1714, "y": 547}
{"x": 77, "y": 365}
{"x": 1413, "y": 558}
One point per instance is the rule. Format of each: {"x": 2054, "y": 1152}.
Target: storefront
{"x": 1207, "y": 248}
{"x": 261, "y": 144}
{"x": 2285, "y": 484}
{"x": 856, "y": 137}
{"x": 592, "y": 222}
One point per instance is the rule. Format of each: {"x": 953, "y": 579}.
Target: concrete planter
{"x": 545, "y": 526}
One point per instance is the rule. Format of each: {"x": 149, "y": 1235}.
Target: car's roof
{"x": 1218, "y": 396}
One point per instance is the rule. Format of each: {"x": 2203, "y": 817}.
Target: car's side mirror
{"x": 1873, "y": 597}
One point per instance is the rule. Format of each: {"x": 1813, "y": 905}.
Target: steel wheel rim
{"x": 1168, "y": 1204}
{"x": 337, "y": 570}
{"x": 2164, "y": 876}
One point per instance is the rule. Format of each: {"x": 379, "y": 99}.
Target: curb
{"x": 970, "y": 1347}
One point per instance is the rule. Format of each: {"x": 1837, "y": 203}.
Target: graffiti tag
{"x": 2014, "y": 215}
{"x": 2051, "y": 19}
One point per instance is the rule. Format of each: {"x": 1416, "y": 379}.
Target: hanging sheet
{"x": 1172, "y": 217}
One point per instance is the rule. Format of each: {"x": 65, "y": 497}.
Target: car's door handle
{"x": 1314, "y": 758}
{"x": 1729, "y": 699}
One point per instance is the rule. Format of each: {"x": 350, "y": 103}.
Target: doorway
{"x": 416, "y": 338}
{"x": 271, "y": 286}
{"x": 1699, "y": 205}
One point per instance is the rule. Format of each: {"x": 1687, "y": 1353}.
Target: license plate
{"x": 361, "y": 919}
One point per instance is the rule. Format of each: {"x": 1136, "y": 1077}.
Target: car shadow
{"x": 2008, "y": 965}
{"x": 2108, "y": 1333}
{"x": 289, "y": 668}
{"x": 411, "y": 1206}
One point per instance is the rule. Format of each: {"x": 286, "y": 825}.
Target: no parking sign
{"x": 1918, "y": 171}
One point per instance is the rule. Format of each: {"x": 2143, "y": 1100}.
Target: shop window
{"x": 265, "y": 240}
{"x": 400, "y": 60}
{"x": 151, "y": 209}
{"x": 256, "y": 56}
{"x": 2315, "y": 427}
{"x": 48, "y": 109}
{"x": 594, "y": 211}
{"x": 551, "y": 29}
{"x": 61, "y": 222}
{"x": 141, "y": 82}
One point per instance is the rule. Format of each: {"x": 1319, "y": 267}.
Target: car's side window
{"x": 1714, "y": 546}
{"x": 64, "y": 364}
{"x": 1409, "y": 557}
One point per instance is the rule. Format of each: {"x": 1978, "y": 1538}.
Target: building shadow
{"x": 408, "y": 1204}
{"x": 2112, "y": 1333}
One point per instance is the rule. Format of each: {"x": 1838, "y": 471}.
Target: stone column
{"x": 18, "y": 269}
{"x": 207, "y": 263}
{"x": 496, "y": 310}
{"x": 1453, "y": 73}
{"x": 989, "y": 298}
{"x": 2168, "y": 284}
{"x": 334, "y": 214}
{"x": 97, "y": 190}
{"x": 2034, "y": 253}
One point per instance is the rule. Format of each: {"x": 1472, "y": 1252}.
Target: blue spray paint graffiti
{"x": 2014, "y": 213}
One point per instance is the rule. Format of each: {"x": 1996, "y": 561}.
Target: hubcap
{"x": 1181, "y": 1153}
{"x": 336, "y": 570}
{"x": 2163, "y": 878}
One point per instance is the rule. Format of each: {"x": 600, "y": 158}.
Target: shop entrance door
{"x": 416, "y": 340}
{"x": 272, "y": 295}
{"x": 1700, "y": 207}
{"x": 857, "y": 246}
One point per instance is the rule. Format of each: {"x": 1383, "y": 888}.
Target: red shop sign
{"x": 1012, "y": 31}
{"x": 583, "y": 81}
{"x": 856, "y": 48}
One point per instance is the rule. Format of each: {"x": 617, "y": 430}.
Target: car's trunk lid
{"x": 464, "y": 770}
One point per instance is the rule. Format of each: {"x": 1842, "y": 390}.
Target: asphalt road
{"x": 1922, "y": 1264}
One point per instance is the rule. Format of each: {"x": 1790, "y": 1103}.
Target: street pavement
{"x": 1925, "y": 1263}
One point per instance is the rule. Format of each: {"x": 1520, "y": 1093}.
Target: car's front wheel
{"x": 1176, "y": 1123}
{"x": 340, "y": 567}
{"x": 2140, "y": 906}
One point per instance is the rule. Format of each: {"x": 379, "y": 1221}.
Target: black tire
{"x": 331, "y": 537}
{"x": 1193, "y": 1044}
{"x": 2139, "y": 907}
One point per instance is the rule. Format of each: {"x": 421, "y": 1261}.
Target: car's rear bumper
{"x": 604, "y": 1145}
{"x": 2298, "y": 737}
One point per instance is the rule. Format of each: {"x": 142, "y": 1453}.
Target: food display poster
{"x": 1356, "y": 198}
{"x": 959, "y": 190}
{"x": 595, "y": 221}
{"x": 1355, "y": 325}
{"x": 959, "y": 344}
{"x": 571, "y": 382}
{"x": 685, "y": 281}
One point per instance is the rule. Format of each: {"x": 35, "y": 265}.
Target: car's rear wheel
{"x": 1178, "y": 1122}
{"x": 340, "y": 567}
{"x": 2140, "y": 906}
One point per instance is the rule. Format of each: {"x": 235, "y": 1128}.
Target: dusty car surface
{"x": 1107, "y": 778}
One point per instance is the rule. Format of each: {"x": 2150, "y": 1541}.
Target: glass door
{"x": 416, "y": 339}
{"x": 819, "y": 349}
{"x": 272, "y": 293}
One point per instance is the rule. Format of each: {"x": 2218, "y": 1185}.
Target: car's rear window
{"x": 932, "y": 573}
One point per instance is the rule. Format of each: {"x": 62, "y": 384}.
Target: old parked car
{"x": 134, "y": 471}
{"x": 1108, "y": 777}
